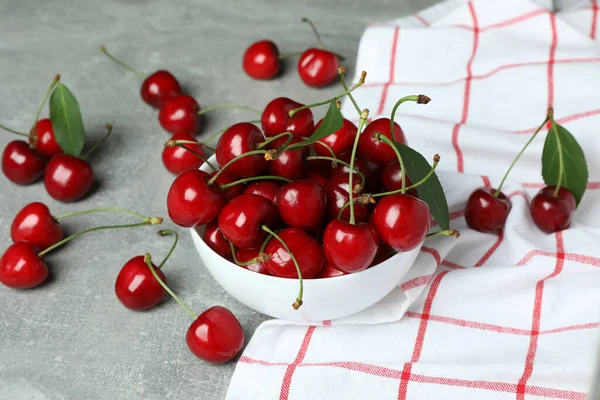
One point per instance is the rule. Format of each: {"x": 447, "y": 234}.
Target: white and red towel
{"x": 509, "y": 316}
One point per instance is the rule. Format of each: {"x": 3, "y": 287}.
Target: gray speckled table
{"x": 71, "y": 338}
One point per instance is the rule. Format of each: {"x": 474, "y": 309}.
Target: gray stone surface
{"x": 71, "y": 338}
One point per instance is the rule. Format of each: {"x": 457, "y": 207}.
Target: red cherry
{"x": 177, "y": 159}
{"x": 402, "y": 221}
{"x": 486, "y": 213}
{"x": 237, "y": 140}
{"x": 318, "y": 67}
{"x": 215, "y": 336}
{"x": 266, "y": 189}
{"x": 392, "y": 178}
{"x": 305, "y": 249}
{"x": 245, "y": 255}
{"x": 191, "y": 201}
{"x": 261, "y": 60}
{"x": 317, "y": 177}
{"x": 329, "y": 272}
{"x": 241, "y": 220}
{"x": 43, "y": 139}
{"x": 68, "y": 178}
{"x": 340, "y": 141}
{"x": 373, "y": 149}
{"x": 275, "y": 118}
{"x": 214, "y": 238}
{"x": 35, "y": 225}
{"x": 350, "y": 248}
{"x": 136, "y": 287}
{"x": 552, "y": 213}
{"x": 21, "y": 267}
{"x": 180, "y": 115}
{"x": 369, "y": 169}
{"x": 301, "y": 204}
{"x": 21, "y": 164}
{"x": 231, "y": 192}
{"x": 291, "y": 163}
{"x": 337, "y": 195}
{"x": 158, "y": 88}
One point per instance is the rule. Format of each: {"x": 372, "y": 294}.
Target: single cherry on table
{"x": 135, "y": 286}
{"x": 180, "y": 115}
{"x": 35, "y": 225}
{"x": 215, "y": 336}
{"x": 68, "y": 178}
{"x": 43, "y": 140}
{"x": 318, "y": 67}
{"x": 21, "y": 267}
{"x": 21, "y": 164}
{"x": 487, "y": 212}
{"x": 261, "y": 60}
{"x": 553, "y": 210}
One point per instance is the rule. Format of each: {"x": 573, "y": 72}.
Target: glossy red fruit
{"x": 68, "y": 178}
{"x": 350, "y": 248}
{"x": 158, "y": 88}
{"x": 267, "y": 189}
{"x": 392, "y": 178}
{"x": 301, "y": 204}
{"x": 177, "y": 159}
{"x": 215, "y": 336}
{"x": 237, "y": 140}
{"x": 337, "y": 194}
{"x": 329, "y": 272}
{"x": 180, "y": 115}
{"x": 275, "y": 118}
{"x": 317, "y": 177}
{"x": 402, "y": 221}
{"x": 136, "y": 287}
{"x": 291, "y": 163}
{"x": 339, "y": 141}
{"x": 35, "y": 225}
{"x": 305, "y": 249}
{"x": 191, "y": 201}
{"x": 245, "y": 255}
{"x": 261, "y": 60}
{"x": 373, "y": 149}
{"x": 369, "y": 169}
{"x": 21, "y": 164}
{"x": 486, "y": 213}
{"x": 318, "y": 67}
{"x": 241, "y": 220}
{"x": 43, "y": 140}
{"x": 552, "y": 213}
{"x": 231, "y": 192}
{"x": 21, "y": 267}
{"x": 214, "y": 238}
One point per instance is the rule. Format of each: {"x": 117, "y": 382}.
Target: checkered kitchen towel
{"x": 487, "y": 316}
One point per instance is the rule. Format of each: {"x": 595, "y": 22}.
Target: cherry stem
{"x": 387, "y": 140}
{"x": 365, "y": 198}
{"x": 200, "y": 156}
{"x": 290, "y": 55}
{"x": 238, "y": 262}
{"x": 361, "y": 122}
{"x": 148, "y": 221}
{"x": 95, "y": 210}
{"x": 172, "y": 143}
{"x": 121, "y": 63}
{"x": 168, "y": 232}
{"x": 561, "y": 162}
{"x": 360, "y": 82}
{"x": 298, "y": 301}
{"x": 109, "y": 129}
{"x": 217, "y": 107}
{"x": 39, "y": 109}
{"x": 329, "y": 149}
{"x": 261, "y": 252}
{"x": 436, "y": 160}
{"x": 336, "y": 161}
{"x": 148, "y": 261}
{"x": 450, "y": 232}
{"x": 497, "y": 192}
{"x": 316, "y": 32}
{"x": 341, "y": 72}
{"x": 289, "y": 136}
{"x": 255, "y": 178}
{"x": 224, "y": 167}
{"x": 214, "y": 135}
{"x": 13, "y": 131}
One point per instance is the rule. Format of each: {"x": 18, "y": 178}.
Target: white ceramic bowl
{"x": 324, "y": 299}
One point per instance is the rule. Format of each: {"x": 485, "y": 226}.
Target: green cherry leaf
{"x": 431, "y": 191}
{"x": 563, "y": 162}
{"x": 67, "y": 122}
{"x": 332, "y": 122}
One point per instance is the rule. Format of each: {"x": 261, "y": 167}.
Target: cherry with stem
{"x": 436, "y": 160}
{"x": 215, "y": 134}
{"x": 318, "y": 36}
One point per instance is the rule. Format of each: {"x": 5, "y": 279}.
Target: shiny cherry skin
{"x": 317, "y": 177}
{"x": 158, "y": 88}
{"x": 214, "y": 238}
{"x": 43, "y": 140}
{"x": 267, "y": 189}
{"x": 392, "y": 178}
{"x": 21, "y": 267}
{"x": 177, "y": 159}
{"x": 369, "y": 169}
{"x": 329, "y": 272}
{"x": 350, "y": 248}
{"x": 180, "y": 115}
{"x": 486, "y": 213}
{"x": 552, "y": 213}
{"x": 35, "y": 225}
{"x": 318, "y": 67}
{"x": 291, "y": 163}
{"x": 21, "y": 164}
{"x": 239, "y": 139}
{"x": 340, "y": 141}
{"x": 191, "y": 201}
{"x": 245, "y": 255}
{"x": 231, "y": 192}
{"x": 402, "y": 221}
{"x": 261, "y": 60}
{"x": 275, "y": 118}
{"x": 215, "y": 336}
{"x": 305, "y": 249}
{"x": 375, "y": 150}
{"x": 301, "y": 204}
{"x": 68, "y": 178}
{"x": 136, "y": 287}
{"x": 241, "y": 220}
{"x": 337, "y": 195}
